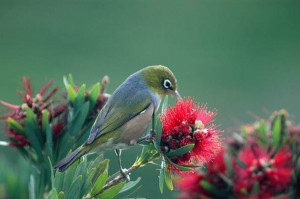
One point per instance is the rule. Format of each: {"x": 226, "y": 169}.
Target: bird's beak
{"x": 177, "y": 96}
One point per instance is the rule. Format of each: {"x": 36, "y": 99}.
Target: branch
{"x": 146, "y": 158}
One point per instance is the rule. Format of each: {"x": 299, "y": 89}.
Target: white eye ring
{"x": 167, "y": 84}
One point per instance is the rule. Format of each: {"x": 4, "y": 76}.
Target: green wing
{"x": 118, "y": 111}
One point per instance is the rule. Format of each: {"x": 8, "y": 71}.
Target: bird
{"x": 127, "y": 114}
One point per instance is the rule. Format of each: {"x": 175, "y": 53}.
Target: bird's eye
{"x": 167, "y": 84}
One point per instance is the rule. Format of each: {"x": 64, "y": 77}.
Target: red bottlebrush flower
{"x": 190, "y": 186}
{"x": 272, "y": 173}
{"x": 17, "y": 139}
{"x": 218, "y": 164}
{"x": 41, "y": 101}
{"x": 188, "y": 123}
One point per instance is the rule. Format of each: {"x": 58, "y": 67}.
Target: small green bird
{"x": 126, "y": 115}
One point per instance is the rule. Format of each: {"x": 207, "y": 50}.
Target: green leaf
{"x": 262, "y": 130}
{"x": 130, "y": 185}
{"x": 70, "y": 80}
{"x": 90, "y": 177}
{"x": 103, "y": 166}
{"x": 158, "y": 129}
{"x": 94, "y": 93}
{"x": 158, "y": 132}
{"x": 80, "y": 96}
{"x": 181, "y": 167}
{"x": 59, "y": 181}
{"x": 161, "y": 176}
{"x": 112, "y": 191}
{"x": 49, "y": 134}
{"x": 228, "y": 164}
{"x": 255, "y": 189}
{"x": 75, "y": 191}
{"x": 212, "y": 189}
{"x": 168, "y": 179}
{"x": 33, "y": 134}
{"x": 71, "y": 94}
{"x": 100, "y": 182}
{"x": 180, "y": 151}
{"x": 79, "y": 119}
{"x": 32, "y": 191}
{"x": 81, "y": 168}
{"x": 298, "y": 167}
{"x": 53, "y": 194}
{"x": 15, "y": 125}
{"x": 276, "y": 132}
{"x": 61, "y": 195}
{"x": 69, "y": 176}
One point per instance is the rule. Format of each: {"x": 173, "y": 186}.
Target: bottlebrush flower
{"x": 273, "y": 174}
{"x": 189, "y": 123}
{"x": 43, "y": 100}
{"x": 190, "y": 185}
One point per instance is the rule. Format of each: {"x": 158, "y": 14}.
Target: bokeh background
{"x": 239, "y": 56}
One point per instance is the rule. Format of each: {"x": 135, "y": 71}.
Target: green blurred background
{"x": 239, "y": 56}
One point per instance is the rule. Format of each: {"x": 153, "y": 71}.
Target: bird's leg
{"x": 122, "y": 171}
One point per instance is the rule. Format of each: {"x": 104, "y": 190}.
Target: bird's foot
{"x": 125, "y": 174}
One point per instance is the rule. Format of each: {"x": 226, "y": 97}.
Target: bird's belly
{"x": 135, "y": 128}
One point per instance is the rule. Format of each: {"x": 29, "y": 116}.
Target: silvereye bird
{"x": 127, "y": 113}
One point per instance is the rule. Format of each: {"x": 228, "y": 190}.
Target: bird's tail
{"x": 70, "y": 159}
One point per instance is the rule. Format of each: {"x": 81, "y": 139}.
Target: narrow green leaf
{"x": 81, "y": 168}
{"x": 168, "y": 179}
{"x": 228, "y": 164}
{"x": 212, "y": 189}
{"x": 45, "y": 119}
{"x": 32, "y": 133}
{"x": 53, "y": 194}
{"x": 71, "y": 80}
{"x": 255, "y": 189}
{"x": 90, "y": 176}
{"x": 79, "y": 119}
{"x": 161, "y": 176}
{"x": 48, "y": 131}
{"x": 61, "y": 195}
{"x": 69, "y": 177}
{"x": 80, "y": 96}
{"x": 158, "y": 125}
{"x": 180, "y": 151}
{"x": 94, "y": 93}
{"x": 262, "y": 130}
{"x": 100, "y": 182}
{"x": 32, "y": 191}
{"x": 75, "y": 191}
{"x": 158, "y": 132}
{"x": 15, "y": 125}
{"x": 52, "y": 172}
{"x": 181, "y": 167}
{"x": 298, "y": 166}
{"x": 66, "y": 82}
{"x": 130, "y": 185}
{"x": 103, "y": 166}
{"x": 59, "y": 181}
{"x": 276, "y": 132}
{"x": 112, "y": 191}
{"x": 71, "y": 94}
